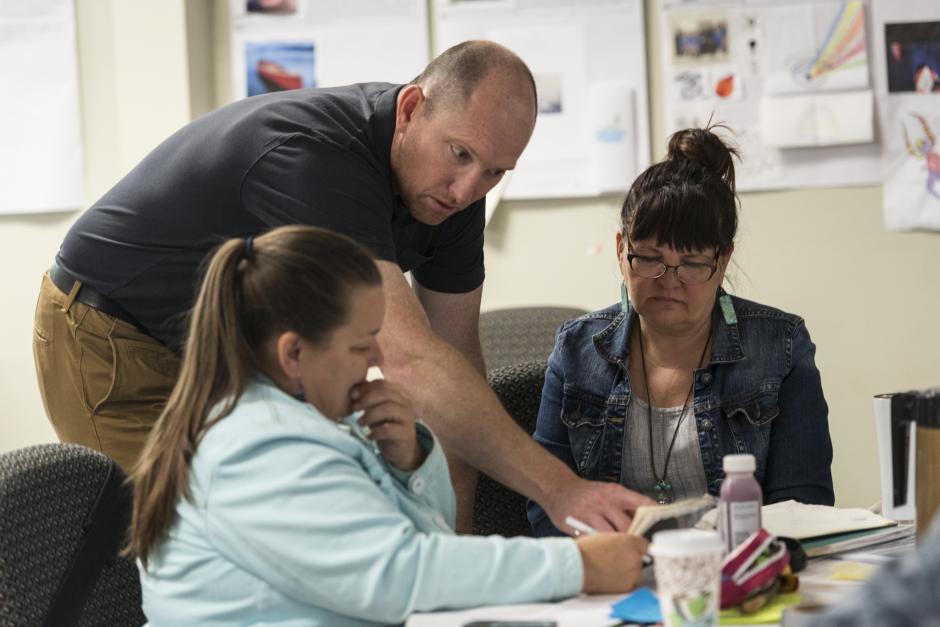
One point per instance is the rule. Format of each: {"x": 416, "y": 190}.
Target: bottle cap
{"x": 739, "y": 463}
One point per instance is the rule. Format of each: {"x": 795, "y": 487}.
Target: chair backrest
{"x": 497, "y": 509}
{"x": 64, "y": 512}
{"x": 521, "y": 334}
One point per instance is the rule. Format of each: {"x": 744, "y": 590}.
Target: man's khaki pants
{"x": 103, "y": 382}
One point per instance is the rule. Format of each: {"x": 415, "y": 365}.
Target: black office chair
{"x": 64, "y": 514}
{"x": 497, "y": 509}
{"x": 521, "y": 334}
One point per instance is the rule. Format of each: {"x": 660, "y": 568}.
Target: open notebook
{"x": 801, "y": 521}
{"x": 825, "y": 530}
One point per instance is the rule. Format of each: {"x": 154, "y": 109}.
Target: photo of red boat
{"x": 276, "y": 77}
{"x": 279, "y": 66}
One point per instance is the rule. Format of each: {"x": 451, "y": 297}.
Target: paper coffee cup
{"x": 687, "y": 567}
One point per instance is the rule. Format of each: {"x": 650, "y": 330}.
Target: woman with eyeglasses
{"x": 653, "y": 391}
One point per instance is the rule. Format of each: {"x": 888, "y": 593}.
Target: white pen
{"x": 588, "y": 530}
{"x": 579, "y": 526}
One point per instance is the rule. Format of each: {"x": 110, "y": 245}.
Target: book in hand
{"x": 649, "y": 519}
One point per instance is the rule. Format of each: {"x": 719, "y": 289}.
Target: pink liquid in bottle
{"x": 740, "y": 502}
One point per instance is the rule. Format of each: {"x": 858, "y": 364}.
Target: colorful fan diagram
{"x": 844, "y": 45}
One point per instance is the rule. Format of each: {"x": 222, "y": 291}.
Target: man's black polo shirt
{"x": 316, "y": 156}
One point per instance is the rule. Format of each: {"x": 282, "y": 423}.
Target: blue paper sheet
{"x": 641, "y": 606}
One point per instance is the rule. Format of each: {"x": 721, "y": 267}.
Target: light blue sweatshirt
{"x": 297, "y": 520}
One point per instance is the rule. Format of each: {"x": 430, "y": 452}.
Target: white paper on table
{"x": 793, "y": 519}
{"x": 613, "y": 135}
{"x": 823, "y": 119}
{"x": 578, "y": 611}
{"x": 41, "y": 149}
{"x": 799, "y": 520}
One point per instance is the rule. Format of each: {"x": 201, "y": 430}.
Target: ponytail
{"x": 292, "y": 278}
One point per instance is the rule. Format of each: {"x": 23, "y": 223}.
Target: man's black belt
{"x": 90, "y": 296}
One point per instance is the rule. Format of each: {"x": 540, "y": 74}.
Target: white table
{"x": 816, "y": 585}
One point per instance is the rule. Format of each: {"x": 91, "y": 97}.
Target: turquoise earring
{"x": 727, "y": 309}
{"x": 624, "y": 298}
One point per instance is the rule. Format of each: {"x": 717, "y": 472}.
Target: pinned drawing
{"x": 711, "y": 83}
{"x": 911, "y": 160}
{"x": 844, "y": 46}
{"x": 913, "y": 57}
{"x": 817, "y": 47}
{"x": 924, "y": 147}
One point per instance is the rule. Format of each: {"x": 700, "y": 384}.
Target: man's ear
{"x": 287, "y": 347}
{"x": 410, "y": 100}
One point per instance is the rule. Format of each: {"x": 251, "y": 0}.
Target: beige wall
{"x": 870, "y": 298}
{"x": 134, "y": 83}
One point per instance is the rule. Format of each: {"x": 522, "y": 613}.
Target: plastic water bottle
{"x": 740, "y": 502}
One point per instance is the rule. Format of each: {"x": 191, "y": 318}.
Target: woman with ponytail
{"x": 653, "y": 391}
{"x": 279, "y": 486}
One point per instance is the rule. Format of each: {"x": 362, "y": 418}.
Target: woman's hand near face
{"x": 389, "y": 419}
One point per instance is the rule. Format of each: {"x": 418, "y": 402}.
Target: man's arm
{"x": 455, "y": 318}
{"x": 453, "y": 397}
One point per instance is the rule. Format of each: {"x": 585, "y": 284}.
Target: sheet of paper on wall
{"x": 280, "y": 45}
{"x": 724, "y": 60}
{"x": 580, "y": 53}
{"x": 561, "y": 85}
{"x": 41, "y": 150}
{"x": 495, "y": 196}
{"x": 613, "y": 135}
{"x": 911, "y": 162}
{"x": 821, "y": 119}
{"x": 907, "y": 80}
{"x": 815, "y": 47}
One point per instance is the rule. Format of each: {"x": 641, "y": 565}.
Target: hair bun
{"x": 702, "y": 147}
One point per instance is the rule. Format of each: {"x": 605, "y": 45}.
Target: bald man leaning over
{"x": 402, "y": 169}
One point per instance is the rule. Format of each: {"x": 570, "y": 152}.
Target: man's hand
{"x": 602, "y": 505}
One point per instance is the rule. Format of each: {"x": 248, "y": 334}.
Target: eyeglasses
{"x": 688, "y": 272}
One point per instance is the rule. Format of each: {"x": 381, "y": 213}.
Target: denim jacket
{"x": 760, "y": 394}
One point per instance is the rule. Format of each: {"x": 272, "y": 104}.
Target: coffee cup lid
{"x": 683, "y": 542}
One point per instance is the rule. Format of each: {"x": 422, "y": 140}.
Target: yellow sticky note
{"x": 769, "y": 614}
{"x": 852, "y": 571}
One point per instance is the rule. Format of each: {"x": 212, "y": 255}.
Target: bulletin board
{"x": 588, "y": 58}
{"x": 294, "y": 44}
{"x": 790, "y": 78}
